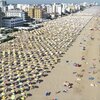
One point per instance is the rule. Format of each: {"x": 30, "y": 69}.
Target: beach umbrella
{"x": 12, "y": 91}
{"x": 12, "y": 85}
{"x": 20, "y": 84}
{"x": 3, "y": 88}
{"x": 28, "y": 81}
{"x": 21, "y": 89}
{"x": 2, "y": 83}
{"x": 23, "y": 94}
{"x": 78, "y": 79}
{"x": 4, "y": 98}
{"x": 2, "y": 93}
{"x": 13, "y": 97}
{"x": 22, "y": 98}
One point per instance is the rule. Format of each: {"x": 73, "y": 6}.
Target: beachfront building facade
{"x": 31, "y": 12}
{"x": 49, "y": 9}
{"x": 16, "y": 13}
{"x": 64, "y": 6}
{"x": 59, "y": 9}
{"x": 24, "y": 7}
{"x": 12, "y": 21}
{"x": 55, "y": 9}
{"x": 73, "y": 8}
{"x": 11, "y": 6}
{"x": 38, "y": 13}
{"x": 3, "y": 5}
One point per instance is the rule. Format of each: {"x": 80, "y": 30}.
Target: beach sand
{"x": 72, "y": 68}
{"x": 83, "y": 88}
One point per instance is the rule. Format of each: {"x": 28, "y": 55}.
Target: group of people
{"x": 32, "y": 55}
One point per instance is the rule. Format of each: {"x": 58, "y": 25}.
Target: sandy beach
{"x": 83, "y": 88}
{"x": 59, "y": 61}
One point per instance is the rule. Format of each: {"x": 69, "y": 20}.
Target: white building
{"x": 64, "y": 6}
{"x": 11, "y": 6}
{"x": 3, "y": 3}
{"x": 43, "y": 6}
{"x": 49, "y": 9}
{"x": 78, "y": 7}
{"x": 4, "y": 9}
{"x": 24, "y": 7}
{"x": 12, "y": 21}
{"x": 59, "y": 9}
{"x": 54, "y": 8}
{"x": 85, "y": 4}
{"x": 16, "y": 13}
{"x": 72, "y": 8}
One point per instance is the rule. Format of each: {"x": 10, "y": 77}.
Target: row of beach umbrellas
{"x": 32, "y": 55}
